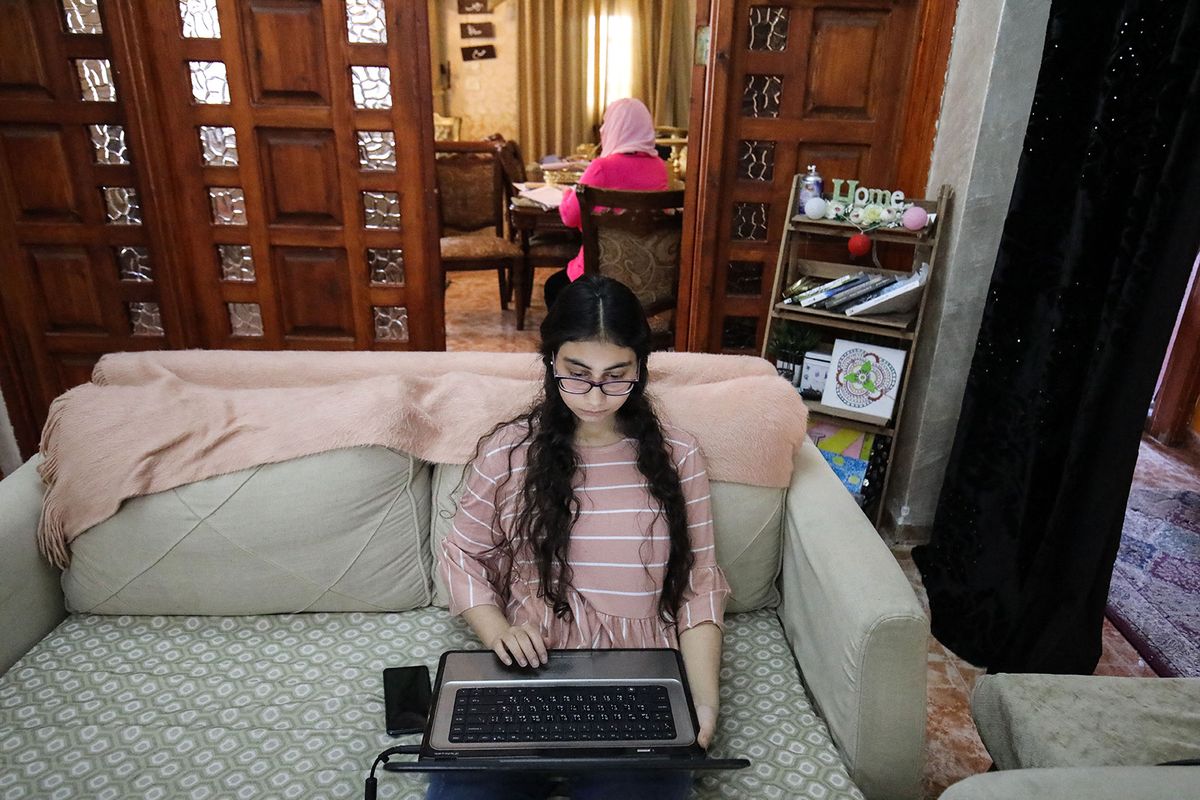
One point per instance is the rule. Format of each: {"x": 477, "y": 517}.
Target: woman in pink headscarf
{"x": 627, "y": 160}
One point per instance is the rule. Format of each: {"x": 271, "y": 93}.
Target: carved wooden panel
{"x": 314, "y": 294}
{"x": 73, "y": 369}
{"x": 22, "y": 73}
{"x": 300, "y": 176}
{"x": 36, "y": 166}
{"x": 285, "y": 45}
{"x": 840, "y": 87}
{"x": 66, "y": 289}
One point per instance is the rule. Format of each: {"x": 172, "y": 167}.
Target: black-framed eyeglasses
{"x": 573, "y": 385}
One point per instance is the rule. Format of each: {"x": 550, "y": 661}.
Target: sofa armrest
{"x": 857, "y": 630}
{"x": 1072, "y": 783}
{"x": 31, "y": 598}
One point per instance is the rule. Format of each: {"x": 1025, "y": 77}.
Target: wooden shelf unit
{"x": 901, "y": 330}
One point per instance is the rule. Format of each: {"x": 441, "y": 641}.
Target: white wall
{"x": 993, "y": 69}
{"x": 483, "y": 93}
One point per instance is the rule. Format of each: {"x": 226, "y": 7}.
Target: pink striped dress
{"x": 618, "y": 550}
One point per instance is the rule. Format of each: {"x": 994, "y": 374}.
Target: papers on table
{"x": 545, "y": 196}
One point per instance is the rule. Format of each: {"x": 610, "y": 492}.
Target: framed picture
{"x": 477, "y": 30}
{"x": 479, "y": 52}
{"x": 864, "y": 381}
{"x": 472, "y": 6}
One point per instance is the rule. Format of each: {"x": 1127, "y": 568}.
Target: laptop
{"x": 583, "y": 710}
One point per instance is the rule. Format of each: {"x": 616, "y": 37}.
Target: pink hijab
{"x": 628, "y": 128}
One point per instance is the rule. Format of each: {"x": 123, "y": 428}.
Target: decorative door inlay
{"x": 377, "y": 151}
{"x": 387, "y": 266}
{"x": 391, "y": 324}
{"x": 237, "y": 262}
{"x": 768, "y": 28}
{"x": 145, "y": 319}
{"x": 756, "y": 160}
{"x": 761, "y": 96}
{"x": 245, "y": 319}
{"x": 199, "y": 19}
{"x": 121, "y": 204}
{"x": 218, "y": 146}
{"x": 228, "y": 205}
{"x": 108, "y": 141}
{"x": 95, "y": 80}
{"x": 133, "y": 264}
{"x": 365, "y": 23}
{"x": 82, "y": 16}
{"x": 372, "y": 87}
{"x": 210, "y": 85}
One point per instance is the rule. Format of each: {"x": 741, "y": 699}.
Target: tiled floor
{"x": 474, "y": 321}
{"x": 954, "y": 749}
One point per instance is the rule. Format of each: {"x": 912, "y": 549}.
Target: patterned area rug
{"x": 1154, "y": 598}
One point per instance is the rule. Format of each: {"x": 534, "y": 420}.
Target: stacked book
{"x": 859, "y": 293}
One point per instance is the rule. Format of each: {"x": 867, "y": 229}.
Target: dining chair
{"x": 472, "y": 202}
{"x": 547, "y": 245}
{"x": 635, "y": 237}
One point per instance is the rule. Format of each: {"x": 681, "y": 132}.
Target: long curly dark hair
{"x": 592, "y": 308}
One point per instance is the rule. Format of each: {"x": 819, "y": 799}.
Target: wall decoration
{"x": 472, "y": 6}
{"x": 479, "y": 52}
{"x": 864, "y": 380}
{"x": 868, "y": 209}
{"x": 477, "y": 30}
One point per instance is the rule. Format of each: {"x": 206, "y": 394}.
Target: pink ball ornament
{"x": 859, "y": 244}
{"x": 915, "y": 218}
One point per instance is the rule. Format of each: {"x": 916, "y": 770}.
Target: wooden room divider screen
{"x": 230, "y": 174}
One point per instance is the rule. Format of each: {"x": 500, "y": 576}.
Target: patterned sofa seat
{"x": 226, "y": 638}
{"x": 175, "y": 707}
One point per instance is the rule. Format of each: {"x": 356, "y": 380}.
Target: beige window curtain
{"x": 577, "y": 56}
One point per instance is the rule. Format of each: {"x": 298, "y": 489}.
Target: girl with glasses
{"x": 585, "y": 523}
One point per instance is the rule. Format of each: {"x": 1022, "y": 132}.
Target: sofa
{"x": 226, "y": 637}
{"x": 1057, "y": 737}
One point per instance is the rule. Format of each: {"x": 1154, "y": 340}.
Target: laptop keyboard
{"x": 586, "y": 713}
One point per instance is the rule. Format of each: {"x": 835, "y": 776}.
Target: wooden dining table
{"x": 527, "y": 218}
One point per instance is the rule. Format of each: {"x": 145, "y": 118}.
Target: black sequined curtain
{"x": 1101, "y": 233}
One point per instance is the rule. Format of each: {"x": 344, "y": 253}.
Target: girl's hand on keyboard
{"x": 707, "y": 717}
{"x": 524, "y": 643}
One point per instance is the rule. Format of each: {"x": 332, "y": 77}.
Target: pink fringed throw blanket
{"x": 153, "y": 421}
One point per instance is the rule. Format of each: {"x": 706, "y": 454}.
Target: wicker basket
{"x": 562, "y": 177}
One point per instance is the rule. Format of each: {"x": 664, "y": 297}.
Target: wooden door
{"x": 304, "y": 164}
{"x": 219, "y": 174}
{"x": 84, "y": 266}
{"x": 851, "y": 86}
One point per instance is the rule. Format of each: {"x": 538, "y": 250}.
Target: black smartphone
{"x": 406, "y": 698}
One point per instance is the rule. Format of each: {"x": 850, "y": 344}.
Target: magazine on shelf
{"x": 847, "y": 451}
{"x": 902, "y": 295}
{"x": 832, "y": 288}
{"x": 799, "y": 297}
{"x": 858, "y": 293}
{"x": 801, "y": 285}
{"x": 864, "y": 379}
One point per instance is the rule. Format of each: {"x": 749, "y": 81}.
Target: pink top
{"x": 637, "y": 172}
{"x": 618, "y": 550}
